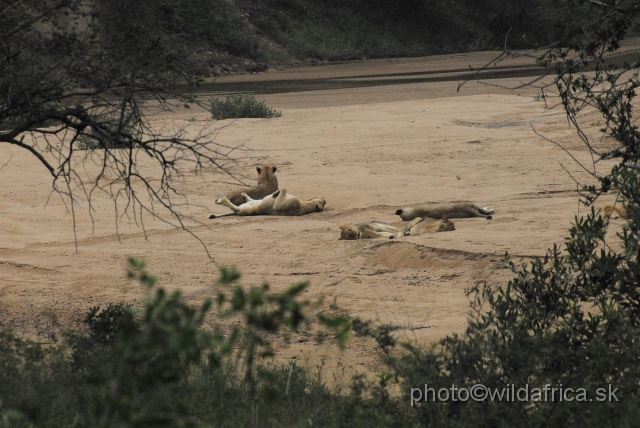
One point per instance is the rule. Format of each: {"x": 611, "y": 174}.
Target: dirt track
{"x": 369, "y": 151}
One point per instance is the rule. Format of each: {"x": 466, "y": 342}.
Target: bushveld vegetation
{"x": 160, "y": 366}
{"x": 265, "y": 30}
{"x": 332, "y": 30}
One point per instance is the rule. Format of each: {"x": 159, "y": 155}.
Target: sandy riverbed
{"x": 369, "y": 151}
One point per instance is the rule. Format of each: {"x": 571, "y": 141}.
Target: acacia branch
{"x": 33, "y": 151}
{"x": 593, "y": 174}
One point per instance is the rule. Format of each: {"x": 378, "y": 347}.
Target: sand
{"x": 369, "y": 151}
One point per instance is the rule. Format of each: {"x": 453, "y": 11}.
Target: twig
{"x": 505, "y": 39}
{"x": 565, "y": 150}
{"x": 421, "y": 328}
{"x": 7, "y": 162}
{"x": 286, "y": 391}
{"x": 475, "y": 73}
{"x": 339, "y": 281}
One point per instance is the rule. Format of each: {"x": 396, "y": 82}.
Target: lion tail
{"x": 485, "y": 211}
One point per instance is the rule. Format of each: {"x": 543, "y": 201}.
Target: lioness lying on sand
{"x": 378, "y": 229}
{"x": 278, "y": 203}
{"x": 420, "y": 225}
{"x": 371, "y": 230}
{"x": 267, "y": 184}
{"x": 451, "y": 210}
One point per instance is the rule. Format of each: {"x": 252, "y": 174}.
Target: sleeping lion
{"x": 278, "y": 203}
{"x": 379, "y": 229}
{"x": 451, "y": 210}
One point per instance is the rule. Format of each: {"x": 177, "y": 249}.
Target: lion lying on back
{"x": 278, "y": 203}
{"x": 378, "y": 229}
{"x": 267, "y": 184}
{"x": 451, "y": 210}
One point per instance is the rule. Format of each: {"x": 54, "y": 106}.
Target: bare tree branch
{"x": 593, "y": 174}
{"x": 79, "y": 101}
{"x": 588, "y": 73}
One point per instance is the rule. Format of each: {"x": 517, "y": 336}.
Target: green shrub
{"x": 105, "y": 324}
{"x": 161, "y": 366}
{"x": 241, "y": 106}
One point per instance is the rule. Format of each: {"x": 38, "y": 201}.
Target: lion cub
{"x": 378, "y": 229}
{"x": 267, "y": 184}
{"x": 278, "y": 203}
{"x": 451, "y": 210}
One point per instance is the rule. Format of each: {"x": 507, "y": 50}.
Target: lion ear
{"x": 274, "y": 168}
{"x": 344, "y": 226}
{"x": 259, "y": 170}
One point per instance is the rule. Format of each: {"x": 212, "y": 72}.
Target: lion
{"x": 422, "y": 225}
{"x": 278, "y": 203}
{"x": 371, "y": 230}
{"x": 451, "y": 210}
{"x": 378, "y": 229}
{"x": 267, "y": 184}
{"x": 621, "y": 212}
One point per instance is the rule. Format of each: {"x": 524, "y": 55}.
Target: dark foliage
{"x": 162, "y": 367}
{"x": 568, "y": 320}
{"x": 330, "y": 29}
